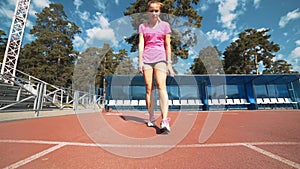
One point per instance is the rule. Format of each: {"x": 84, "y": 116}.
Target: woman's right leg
{"x": 148, "y": 78}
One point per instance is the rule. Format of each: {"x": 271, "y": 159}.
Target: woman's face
{"x": 153, "y": 12}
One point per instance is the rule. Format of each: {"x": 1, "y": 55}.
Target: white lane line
{"x": 148, "y": 145}
{"x": 33, "y": 142}
{"x": 274, "y": 156}
{"x": 59, "y": 144}
{"x": 33, "y": 157}
{"x": 274, "y": 143}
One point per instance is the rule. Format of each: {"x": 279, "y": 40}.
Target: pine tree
{"x": 51, "y": 56}
{"x": 280, "y": 67}
{"x": 3, "y": 42}
{"x": 208, "y": 62}
{"x": 95, "y": 63}
{"x": 252, "y": 47}
{"x": 87, "y": 67}
{"x": 125, "y": 66}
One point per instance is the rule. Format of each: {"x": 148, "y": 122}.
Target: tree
{"x": 3, "y": 42}
{"x": 50, "y": 56}
{"x": 252, "y": 47}
{"x": 125, "y": 66}
{"x": 87, "y": 67}
{"x": 208, "y": 61}
{"x": 95, "y": 63}
{"x": 280, "y": 67}
{"x": 173, "y": 11}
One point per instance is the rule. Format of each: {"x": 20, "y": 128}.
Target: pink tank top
{"x": 154, "y": 41}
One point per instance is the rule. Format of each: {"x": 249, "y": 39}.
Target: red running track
{"x": 236, "y": 139}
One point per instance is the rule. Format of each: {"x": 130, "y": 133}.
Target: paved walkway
{"x": 8, "y": 116}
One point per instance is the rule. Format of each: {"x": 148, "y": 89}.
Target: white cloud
{"x": 296, "y": 66}
{"x": 40, "y": 3}
{"x": 11, "y": 3}
{"x": 103, "y": 21}
{"x": 35, "y": 7}
{"x": 135, "y": 60}
{"x": 6, "y": 12}
{"x": 117, "y": 2}
{"x": 97, "y": 36}
{"x": 279, "y": 57}
{"x": 78, "y": 41}
{"x": 84, "y": 16}
{"x": 99, "y": 33}
{"x": 294, "y": 57}
{"x": 262, "y": 29}
{"x": 256, "y": 3}
{"x": 204, "y": 7}
{"x": 97, "y": 20}
{"x": 29, "y": 37}
{"x": 32, "y": 12}
{"x": 29, "y": 24}
{"x": 226, "y": 9}
{"x": 295, "y": 14}
{"x": 191, "y": 52}
{"x": 7, "y": 8}
{"x": 296, "y": 52}
{"x": 100, "y": 6}
{"x": 218, "y": 35}
{"x": 100, "y": 20}
{"x": 78, "y": 3}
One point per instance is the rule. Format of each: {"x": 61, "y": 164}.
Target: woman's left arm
{"x": 169, "y": 54}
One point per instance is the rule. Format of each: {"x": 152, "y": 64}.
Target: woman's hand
{"x": 140, "y": 68}
{"x": 170, "y": 69}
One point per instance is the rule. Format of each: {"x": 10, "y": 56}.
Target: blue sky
{"x": 223, "y": 21}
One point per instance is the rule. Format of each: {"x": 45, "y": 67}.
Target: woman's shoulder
{"x": 144, "y": 24}
{"x": 164, "y": 24}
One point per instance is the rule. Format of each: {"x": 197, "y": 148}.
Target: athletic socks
{"x": 165, "y": 126}
{"x": 151, "y": 121}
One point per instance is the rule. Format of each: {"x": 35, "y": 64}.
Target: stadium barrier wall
{"x": 209, "y": 92}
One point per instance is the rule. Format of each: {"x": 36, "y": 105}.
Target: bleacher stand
{"x": 15, "y": 98}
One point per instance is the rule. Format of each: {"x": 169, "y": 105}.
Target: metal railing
{"x": 43, "y": 92}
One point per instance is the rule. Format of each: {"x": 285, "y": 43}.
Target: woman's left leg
{"x": 160, "y": 72}
{"x": 161, "y": 77}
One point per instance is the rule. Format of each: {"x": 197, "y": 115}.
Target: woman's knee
{"x": 161, "y": 86}
{"x": 149, "y": 88}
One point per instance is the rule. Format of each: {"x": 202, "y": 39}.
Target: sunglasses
{"x": 155, "y": 11}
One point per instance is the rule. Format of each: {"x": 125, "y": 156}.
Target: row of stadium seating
{"x": 275, "y": 101}
{"x": 196, "y": 103}
{"x": 191, "y": 102}
{"x": 14, "y": 98}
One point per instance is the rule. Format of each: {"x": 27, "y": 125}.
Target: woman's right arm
{"x": 141, "y": 50}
